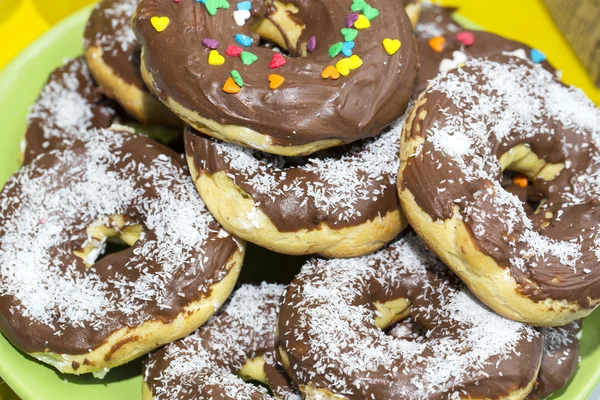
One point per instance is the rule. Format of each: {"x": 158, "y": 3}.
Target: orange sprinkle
{"x": 330, "y": 72}
{"x": 437, "y": 43}
{"x": 521, "y": 181}
{"x": 230, "y": 86}
{"x": 275, "y": 81}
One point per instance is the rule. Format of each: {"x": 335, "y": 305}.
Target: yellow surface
{"x": 528, "y": 21}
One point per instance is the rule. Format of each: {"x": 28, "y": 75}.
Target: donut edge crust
{"x": 453, "y": 243}
{"x": 241, "y": 135}
{"x": 226, "y": 201}
{"x": 127, "y": 343}
{"x": 141, "y": 105}
{"x": 414, "y": 12}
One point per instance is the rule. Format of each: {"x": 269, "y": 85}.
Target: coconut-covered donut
{"x": 505, "y": 114}
{"x": 236, "y": 345}
{"x": 451, "y": 50}
{"x": 65, "y": 306}
{"x": 340, "y": 83}
{"x": 332, "y": 345}
{"x": 435, "y": 20}
{"x": 340, "y": 204}
{"x": 560, "y": 359}
{"x": 113, "y": 54}
{"x": 69, "y": 102}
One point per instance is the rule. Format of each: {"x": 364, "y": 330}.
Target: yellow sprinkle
{"x": 159, "y": 23}
{"x": 343, "y": 66}
{"x": 355, "y": 62}
{"x": 391, "y": 46}
{"x": 214, "y": 58}
{"x": 362, "y": 22}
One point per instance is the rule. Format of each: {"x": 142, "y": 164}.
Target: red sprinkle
{"x": 466, "y": 38}
{"x": 233, "y": 50}
{"x": 277, "y": 61}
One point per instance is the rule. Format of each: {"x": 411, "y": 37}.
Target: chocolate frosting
{"x": 486, "y": 44}
{"x": 306, "y": 108}
{"x": 327, "y": 328}
{"x": 341, "y": 187}
{"x": 436, "y": 21}
{"x": 560, "y": 360}
{"x": 69, "y": 102}
{"x": 49, "y": 300}
{"x": 206, "y": 364}
{"x": 109, "y": 28}
{"x": 476, "y": 114}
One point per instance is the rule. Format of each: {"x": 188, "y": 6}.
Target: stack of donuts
{"x": 340, "y": 199}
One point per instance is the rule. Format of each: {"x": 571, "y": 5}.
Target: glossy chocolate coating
{"x": 109, "y": 28}
{"x": 69, "y": 102}
{"x": 306, "y": 108}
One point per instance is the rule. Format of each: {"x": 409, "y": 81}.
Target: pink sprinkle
{"x": 351, "y": 19}
{"x": 277, "y": 61}
{"x": 211, "y": 43}
{"x": 233, "y": 51}
{"x": 176, "y": 1}
{"x": 311, "y": 45}
{"x": 42, "y": 221}
{"x": 466, "y": 38}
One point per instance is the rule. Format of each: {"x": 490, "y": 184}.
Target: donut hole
{"x": 107, "y": 236}
{"x": 520, "y": 167}
{"x": 280, "y": 27}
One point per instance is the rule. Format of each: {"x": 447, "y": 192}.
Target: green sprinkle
{"x": 357, "y": 5}
{"x": 349, "y": 34}
{"x": 248, "y": 58}
{"x": 213, "y": 5}
{"x": 237, "y": 78}
{"x": 335, "y": 49}
{"x": 370, "y": 12}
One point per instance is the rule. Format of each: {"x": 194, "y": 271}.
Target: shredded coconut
{"x": 347, "y": 351}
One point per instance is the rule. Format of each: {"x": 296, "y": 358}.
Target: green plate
{"x": 20, "y": 83}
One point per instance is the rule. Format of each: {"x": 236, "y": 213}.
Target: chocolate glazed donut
{"x": 339, "y": 204}
{"x": 69, "y": 102}
{"x": 472, "y": 124}
{"x": 307, "y": 112}
{"x": 454, "y": 53}
{"x": 65, "y": 306}
{"x": 435, "y": 21}
{"x": 237, "y": 344}
{"x": 113, "y": 54}
{"x": 331, "y": 343}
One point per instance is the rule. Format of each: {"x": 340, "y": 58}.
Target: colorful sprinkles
{"x": 211, "y": 43}
{"x": 231, "y": 87}
{"x": 537, "y": 56}
{"x": 237, "y": 78}
{"x": 275, "y": 81}
{"x": 159, "y": 23}
{"x": 214, "y": 58}
{"x": 277, "y": 61}
{"x": 391, "y": 46}
{"x": 248, "y": 58}
{"x": 437, "y": 43}
{"x": 244, "y": 40}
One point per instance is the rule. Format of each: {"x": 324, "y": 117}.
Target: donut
{"x": 413, "y": 9}
{"x": 286, "y": 105}
{"x": 560, "y": 359}
{"x": 339, "y": 204}
{"x": 444, "y": 52}
{"x": 113, "y": 55}
{"x": 69, "y": 102}
{"x": 237, "y": 344}
{"x": 332, "y": 344}
{"x": 435, "y": 20}
{"x": 66, "y": 305}
{"x": 473, "y": 123}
